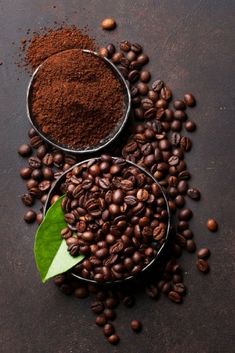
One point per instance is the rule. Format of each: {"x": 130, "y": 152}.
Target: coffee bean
{"x": 37, "y": 174}
{"x": 25, "y": 150}
{"x": 185, "y": 214}
{"x": 48, "y": 159}
{"x": 176, "y": 125}
{"x": 81, "y": 292}
{"x": 27, "y": 200}
{"x": 203, "y": 253}
{"x": 36, "y": 141}
{"x": 25, "y": 172}
{"x": 179, "y": 104}
{"x": 143, "y": 88}
{"x": 131, "y": 55}
{"x": 108, "y": 330}
{"x": 136, "y": 325}
{"x": 194, "y": 193}
{"x": 145, "y": 76}
{"x": 185, "y": 143}
{"x": 189, "y": 99}
{"x": 180, "y": 115}
{"x": 152, "y": 291}
{"x": 41, "y": 151}
{"x": 34, "y": 162}
{"x": 30, "y": 216}
{"x": 44, "y": 185}
{"x": 190, "y": 245}
{"x": 114, "y": 339}
{"x": 133, "y": 76}
{"x": 157, "y": 85}
{"x": 179, "y": 288}
{"x": 137, "y": 48}
{"x": 48, "y": 173}
{"x": 190, "y": 126}
{"x": 101, "y": 320}
{"x": 39, "y": 218}
{"x": 125, "y": 46}
{"x": 31, "y": 183}
{"x": 175, "y": 297}
{"x": 108, "y": 24}
{"x": 212, "y": 225}
{"x": 32, "y": 132}
{"x": 202, "y": 265}
{"x": 111, "y": 49}
{"x": 166, "y": 93}
{"x": 97, "y": 307}
{"x": 103, "y": 52}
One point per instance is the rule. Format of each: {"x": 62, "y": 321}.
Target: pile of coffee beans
{"x": 158, "y": 143}
{"x": 116, "y": 215}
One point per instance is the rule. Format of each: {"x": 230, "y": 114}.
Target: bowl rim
{"x": 111, "y": 139}
{"x": 160, "y": 250}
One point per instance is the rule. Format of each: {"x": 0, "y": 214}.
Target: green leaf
{"x": 50, "y": 250}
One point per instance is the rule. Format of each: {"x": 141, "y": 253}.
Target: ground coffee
{"x": 76, "y": 99}
{"x": 53, "y": 41}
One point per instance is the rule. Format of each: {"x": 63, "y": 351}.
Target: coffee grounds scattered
{"x": 53, "y": 41}
{"x": 76, "y": 99}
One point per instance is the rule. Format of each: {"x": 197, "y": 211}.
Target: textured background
{"x": 191, "y": 46}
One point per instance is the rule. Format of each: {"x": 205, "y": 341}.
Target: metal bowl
{"x": 55, "y": 190}
{"x": 113, "y": 134}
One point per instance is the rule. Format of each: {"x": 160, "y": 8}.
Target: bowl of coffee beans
{"x": 78, "y": 101}
{"x": 117, "y": 215}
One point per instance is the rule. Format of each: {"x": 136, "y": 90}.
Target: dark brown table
{"x": 191, "y": 46}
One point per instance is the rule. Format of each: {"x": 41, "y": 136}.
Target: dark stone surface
{"x": 191, "y": 46}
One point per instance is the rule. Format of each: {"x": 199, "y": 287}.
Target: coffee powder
{"x": 76, "y": 99}
{"x": 42, "y": 46}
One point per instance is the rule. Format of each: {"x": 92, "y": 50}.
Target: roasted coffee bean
{"x": 190, "y": 126}
{"x": 25, "y": 150}
{"x": 34, "y": 162}
{"x": 66, "y": 233}
{"x": 157, "y": 85}
{"x": 133, "y": 76}
{"x": 179, "y": 288}
{"x": 108, "y": 330}
{"x": 185, "y": 143}
{"x": 190, "y": 245}
{"x": 194, "y": 193}
{"x": 30, "y": 216}
{"x": 44, "y": 185}
{"x": 131, "y": 55}
{"x": 145, "y": 76}
{"x": 136, "y": 325}
{"x": 36, "y": 141}
{"x": 97, "y": 307}
{"x": 137, "y": 48}
{"x": 189, "y": 99}
{"x": 175, "y": 297}
{"x": 176, "y": 125}
{"x": 166, "y": 93}
{"x": 41, "y": 151}
{"x": 143, "y": 59}
{"x": 152, "y": 291}
{"x": 48, "y": 173}
{"x": 187, "y": 233}
{"x": 108, "y": 24}
{"x": 109, "y": 314}
{"x": 114, "y": 339}
{"x": 81, "y": 292}
{"x": 103, "y": 52}
{"x": 179, "y": 104}
{"x": 37, "y": 174}
{"x": 35, "y": 192}
{"x": 185, "y": 214}
{"x": 182, "y": 187}
{"x": 111, "y": 49}
{"x": 27, "y": 200}
{"x": 125, "y": 46}
{"x": 48, "y": 159}
{"x": 25, "y": 172}
{"x": 39, "y": 218}
{"x": 101, "y": 320}
{"x": 143, "y": 88}
{"x": 202, "y": 265}
{"x": 32, "y": 132}
{"x": 212, "y": 225}
{"x": 203, "y": 253}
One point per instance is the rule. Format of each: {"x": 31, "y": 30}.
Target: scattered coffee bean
{"x": 25, "y": 150}
{"x": 202, "y": 265}
{"x": 194, "y": 193}
{"x": 30, "y": 216}
{"x": 108, "y": 330}
{"x": 212, "y": 225}
{"x": 203, "y": 253}
{"x": 189, "y": 99}
{"x": 114, "y": 339}
{"x": 136, "y": 325}
{"x": 190, "y": 125}
{"x": 108, "y": 24}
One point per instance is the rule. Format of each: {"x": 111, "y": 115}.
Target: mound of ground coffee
{"x": 76, "y": 99}
{"x": 55, "y": 40}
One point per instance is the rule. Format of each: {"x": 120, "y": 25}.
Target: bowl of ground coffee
{"x": 78, "y": 101}
{"x": 117, "y": 215}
